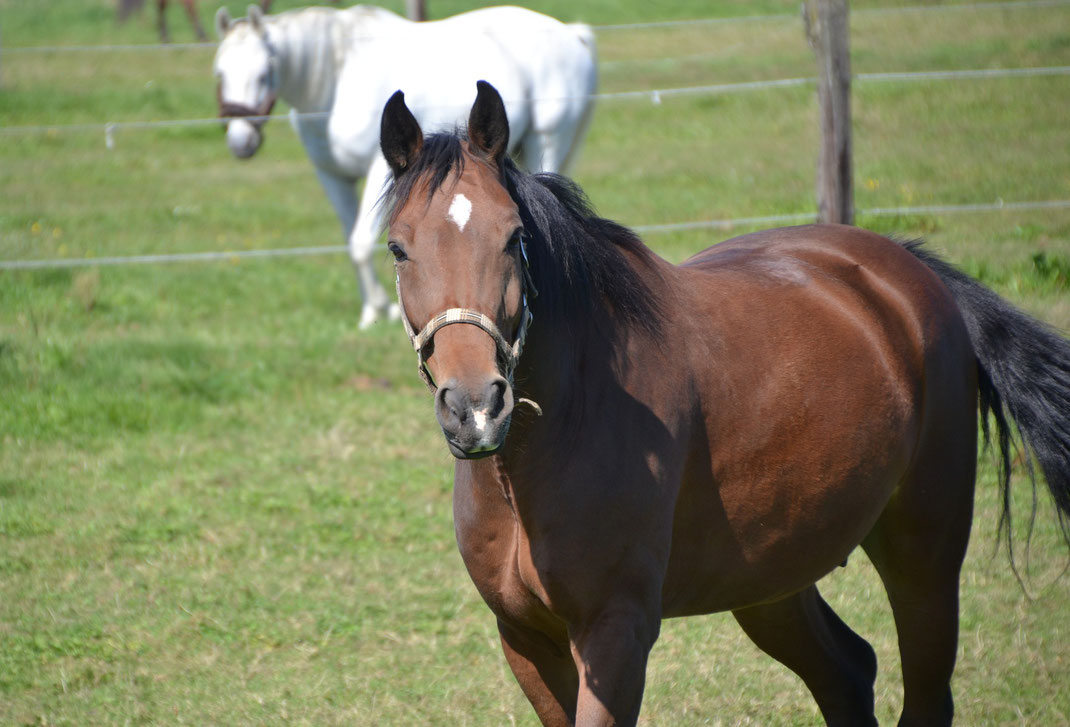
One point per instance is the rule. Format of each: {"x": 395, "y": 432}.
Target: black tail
{"x": 1024, "y": 376}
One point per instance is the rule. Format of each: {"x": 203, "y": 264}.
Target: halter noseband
{"x": 509, "y": 353}
{"x": 255, "y": 115}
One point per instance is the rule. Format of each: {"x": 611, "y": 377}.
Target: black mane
{"x": 578, "y": 260}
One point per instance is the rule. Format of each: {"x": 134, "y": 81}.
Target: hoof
{"x": 371, "y": 315}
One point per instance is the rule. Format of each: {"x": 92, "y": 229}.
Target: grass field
{"x": 220, "y": 503}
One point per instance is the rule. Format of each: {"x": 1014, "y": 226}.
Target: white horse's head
{"x": 246, "y": 69}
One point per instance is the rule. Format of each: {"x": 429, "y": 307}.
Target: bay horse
{"x": 636, "y": 440}
{"x": 128, "y": 7}
{"x": 340, "y": 66}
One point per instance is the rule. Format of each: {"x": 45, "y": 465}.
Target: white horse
{"x": 345, "y": 64}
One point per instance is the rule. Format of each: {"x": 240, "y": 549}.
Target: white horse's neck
{"x": 312, "y": 44}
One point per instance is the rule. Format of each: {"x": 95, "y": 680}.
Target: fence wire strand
{"x": 651, "y": 229}
{"x": 654, "y": 95}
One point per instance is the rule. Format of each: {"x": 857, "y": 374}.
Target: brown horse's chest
{"x": 525, "y": 598}
{"x": 498, "y": 555}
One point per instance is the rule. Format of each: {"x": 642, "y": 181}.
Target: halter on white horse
{"x": 340, "y": 66}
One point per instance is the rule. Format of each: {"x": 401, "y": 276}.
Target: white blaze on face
{"x": 479, "y": 418}
{"x": 460, "y": 211}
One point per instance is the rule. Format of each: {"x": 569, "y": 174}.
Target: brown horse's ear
{"x": 222, "y": 22}
{"x": 488, "y": 126}
{"x": 400, "y": 137}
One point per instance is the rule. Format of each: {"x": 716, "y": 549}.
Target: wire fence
{"x": 651, "y": 229}
{"x": 109, "y": 128}
{"x": 655, "y": 96}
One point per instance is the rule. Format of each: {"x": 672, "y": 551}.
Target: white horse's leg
{"x": 342, "y": 194}
{"x": 553, "y": 149}
{"x": 547, "y": 151}
{"x": 362, "y": 241}
{"x": 341, "y": 191}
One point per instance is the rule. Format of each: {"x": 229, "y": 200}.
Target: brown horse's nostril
{"x": 494, "y": 397}
{"x": 451, "y": 405}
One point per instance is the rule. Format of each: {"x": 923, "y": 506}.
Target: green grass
{"x": 220, "y": 503}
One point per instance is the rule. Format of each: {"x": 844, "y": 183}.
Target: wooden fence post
{"x": 827, "y": 33}
{"x": 416, "y": 10}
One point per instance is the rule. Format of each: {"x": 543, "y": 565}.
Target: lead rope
{"x": 510, "y": 354}
{"x": 529, "y": 285}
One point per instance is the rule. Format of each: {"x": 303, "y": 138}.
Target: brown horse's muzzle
{"x": 474, "y": 419}
{"x": 473, "y": 408}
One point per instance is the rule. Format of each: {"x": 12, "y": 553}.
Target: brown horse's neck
{"x": 576, "y": 371}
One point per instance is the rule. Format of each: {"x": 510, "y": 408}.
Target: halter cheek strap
{"x": 509, "y": 353}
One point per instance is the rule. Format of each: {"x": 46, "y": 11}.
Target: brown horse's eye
{"x": 397, "y": 252}
{"x": 515, "y": 239}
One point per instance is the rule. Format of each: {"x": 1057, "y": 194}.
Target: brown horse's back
{"x": 814, "y": 355}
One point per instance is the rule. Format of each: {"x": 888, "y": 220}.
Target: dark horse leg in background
{"x": 194, "y": 19}
{"x": 128, "y": 7}
{"x": 265, "y": 5}
{"x": 191, "y": 11}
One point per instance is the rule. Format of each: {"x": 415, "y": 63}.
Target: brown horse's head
{"x": 457, "y": 239}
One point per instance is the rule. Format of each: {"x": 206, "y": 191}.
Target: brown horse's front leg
{"x": 611, "y": 655}
{"x": 545, "y": 671}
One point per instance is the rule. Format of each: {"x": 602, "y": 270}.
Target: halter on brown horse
{"x": 714, "y": 436}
